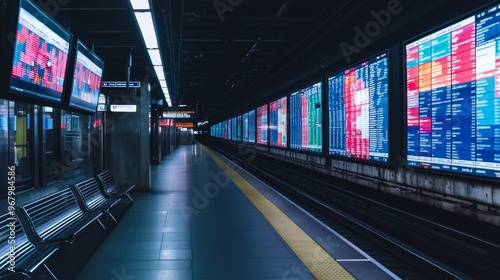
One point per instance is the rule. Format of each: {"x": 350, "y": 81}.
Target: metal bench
{"x": 112, "y": 189}
{"x": 20, "y": 253}
{"x": 92, "y": 198}
{"x": 57, "y": 218}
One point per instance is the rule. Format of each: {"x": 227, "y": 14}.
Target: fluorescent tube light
{"x": 159, "y": 72}
{"x": 140, "y": 4}
{"x": 147, "y": 27}
{"x": 154, "y": 54}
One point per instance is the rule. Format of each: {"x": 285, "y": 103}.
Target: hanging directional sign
{"x": 121, "y": 84}
{"x": 185, "y": 124}
{"x": 123, "y": 108}
{"x": 179, "y": 113}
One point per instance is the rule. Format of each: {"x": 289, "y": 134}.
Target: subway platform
{"x": 205, "y": 218}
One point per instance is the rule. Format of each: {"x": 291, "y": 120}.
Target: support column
{"x": 129, "y": 146}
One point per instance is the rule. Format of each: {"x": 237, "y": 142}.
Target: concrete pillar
{"x": 129, "y": 147}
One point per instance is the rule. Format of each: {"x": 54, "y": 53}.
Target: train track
{"x": 414, "y": 241}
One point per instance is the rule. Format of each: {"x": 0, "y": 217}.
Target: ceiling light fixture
{"x": 140, "y": 4}
{"x": 145, "y": 21}
{"x": 155, "y": 56}
{"x": 144, "y": 17}
{"x": 159, "y": 72}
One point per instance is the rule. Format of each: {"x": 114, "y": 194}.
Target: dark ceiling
{"x": 226, "y": 56}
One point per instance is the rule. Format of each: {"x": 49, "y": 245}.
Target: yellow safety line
{"x": 313, "y": 256}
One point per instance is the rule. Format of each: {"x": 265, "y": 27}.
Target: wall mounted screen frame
{"x": 224, "y": 130}
{"x": 245, "y": 127}
{"x": 36, "y": 65}
{"x": 234, "y": 128}
{"x": 87, "y": 72}
{"x": 262, "y": 125}
{"x": 453, "y": 97}
{"x": 251, "y": 126}
{"x": 239, "y": 128}
{"x": 358, "y": 111}
{"x": 278, "y": 129}
{"x": 306, "y": 119}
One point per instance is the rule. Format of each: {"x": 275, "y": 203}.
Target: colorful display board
{"x": 278, "y": 123}
{"x": 214, "y": 130}
{"x": 453, "y": 97}
{"x": 245, "y": 127}
{"x": 217, "y": 130}
{"x": 224, "y": 130}
{"x": 306, "y": 119}
{"x": 358, "y": 110}
{"x": 251, "y": 126}
{"x": 262, "y": 124}
{"x": 239, "y": 128}
{"x": 233, "y": 128}
{"x": 40, "y": 57}
{"x": 87, "y": 76}
{"x": 229, "y": 129}
{"x": 248, "y": 124}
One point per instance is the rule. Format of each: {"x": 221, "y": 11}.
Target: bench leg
{"x": 102, "y": 225}
{"x": 49, "y": 272}
{"x": 111, "y": 215}
{"x": 129, "y": 198}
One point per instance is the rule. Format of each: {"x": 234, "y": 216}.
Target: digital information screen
{"x": 358, "y": 106}
{"x": 278, "y": 123}
{"x": 224, "y": 132}
{"x": 86, "y": 80}
{"x": 40, "y": 56}
{"x": 251, "y": 126}
{"x": 453, "y": 97}
{"x": 233, "y": 128}
{"x": 239, "y": 128}
{"x": 179, "y": 113}
{"x": 213, "y": 130}
{"x": 229, "y": 129}
{"x": 218, "y": 130}
{"x": 245, "y": 127}
{"x": 262, "y": 124}
{"x": 305, "y": 119}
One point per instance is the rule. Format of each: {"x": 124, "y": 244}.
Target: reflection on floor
{"x": 186, "y": 228}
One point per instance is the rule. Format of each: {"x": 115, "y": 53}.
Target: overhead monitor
{"x": 35, "y": 63}
{"x": 453, "y": 97}
{"x": 180, "y": 113}
{"x": 185, "y": 124}
{"x": 305, "y": 119}
{"x": 86, "y": 80}
{"x": 358, "y": 111}
{"x": 262, "y": 125}
{"x": 278, "y": 123}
